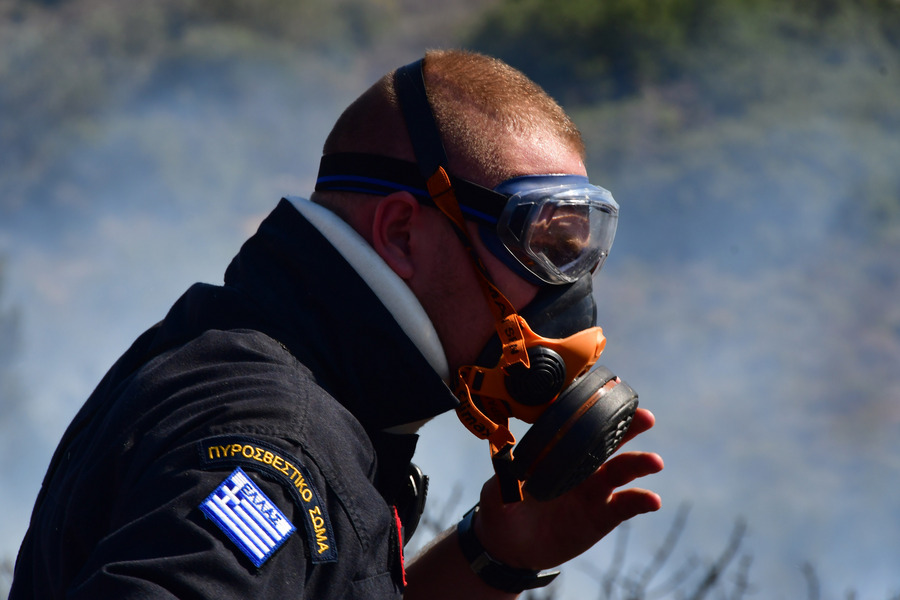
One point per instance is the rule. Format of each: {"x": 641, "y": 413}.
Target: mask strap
{"x": 498, "y": 435}
{"x": 509, "y": 326}
{"x": 509, "y": 329}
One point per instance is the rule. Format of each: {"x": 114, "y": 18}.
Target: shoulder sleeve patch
{"x": 242, "y": 451}
{"x": 247, "y": 517}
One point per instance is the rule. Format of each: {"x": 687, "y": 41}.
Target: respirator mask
{"x": 553, "y": 230}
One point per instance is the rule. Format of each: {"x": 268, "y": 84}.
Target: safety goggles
{"x": 548, "y": 228}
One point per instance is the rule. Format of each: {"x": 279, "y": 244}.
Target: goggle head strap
{"x": 383, "y": 175}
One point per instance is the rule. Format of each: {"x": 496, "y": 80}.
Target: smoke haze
{"x": 751, "y": 297}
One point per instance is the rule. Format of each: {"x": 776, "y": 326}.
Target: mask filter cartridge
{"x": 575, "y": 434}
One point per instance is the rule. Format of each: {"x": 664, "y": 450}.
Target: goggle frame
{"x": 496, "y": 211}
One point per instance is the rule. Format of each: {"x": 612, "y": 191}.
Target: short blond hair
{"x": 478, "y": 102}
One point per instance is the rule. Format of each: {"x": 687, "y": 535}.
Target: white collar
{"x": 387, "y": 285}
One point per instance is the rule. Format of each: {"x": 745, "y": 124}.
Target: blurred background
{"x": 752, "y": 296}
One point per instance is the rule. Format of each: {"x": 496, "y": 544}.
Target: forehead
{"x": 537, "y": 153}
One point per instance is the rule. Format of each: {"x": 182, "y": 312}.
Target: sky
{"x": 739, "y": 365}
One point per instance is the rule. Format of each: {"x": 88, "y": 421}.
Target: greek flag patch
{"x": 247, "y": 517}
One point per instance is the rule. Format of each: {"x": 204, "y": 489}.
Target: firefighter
{"x": 257, "y": 441}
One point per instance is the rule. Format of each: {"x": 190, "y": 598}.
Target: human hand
{"x": 540, "y": 535}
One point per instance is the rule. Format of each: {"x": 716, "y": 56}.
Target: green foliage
{"x": 583, "y": 51}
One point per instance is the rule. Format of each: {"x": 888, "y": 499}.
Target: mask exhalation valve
{"x": 540, "y": 383}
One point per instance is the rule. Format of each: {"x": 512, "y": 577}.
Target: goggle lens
{"x": 559, "y": 233}
{"x": 561, "y": 236}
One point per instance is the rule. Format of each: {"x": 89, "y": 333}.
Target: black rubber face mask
{"x": 557, "y": 311}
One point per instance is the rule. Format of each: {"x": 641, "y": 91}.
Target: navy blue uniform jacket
{"x": 290, "y": 371}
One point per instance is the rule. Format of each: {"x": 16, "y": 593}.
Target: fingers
{"x": 642, "y": 421}
{"x": 622, "y": 505}
{"x": 619, "y": 471}
{"x": 598, "y": 507}
{"x": 626, "y": 467}
{"x": 633, "y": 502}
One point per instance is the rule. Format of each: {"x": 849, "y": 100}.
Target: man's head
{"x": 495, "y": 124}
{"x": 478, "y": 199}
{"x": 484, "y": 109}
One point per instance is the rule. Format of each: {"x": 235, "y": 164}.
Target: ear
{"x": 393, "y": 225}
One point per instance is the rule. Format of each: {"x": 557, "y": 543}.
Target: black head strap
{"x": 382, "y": 175}
{"x": 409, "y": 83}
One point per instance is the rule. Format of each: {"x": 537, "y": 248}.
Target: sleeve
{"x": 167, "y": 541}
{"x": 241, "y": 479}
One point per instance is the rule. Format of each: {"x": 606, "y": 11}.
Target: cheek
{"x": 452, "y": 296}
{"x": 450, "y": 282}
{"x": 518, "y": 291}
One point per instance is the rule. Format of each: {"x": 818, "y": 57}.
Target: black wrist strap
{"x": 493, "y": 572}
